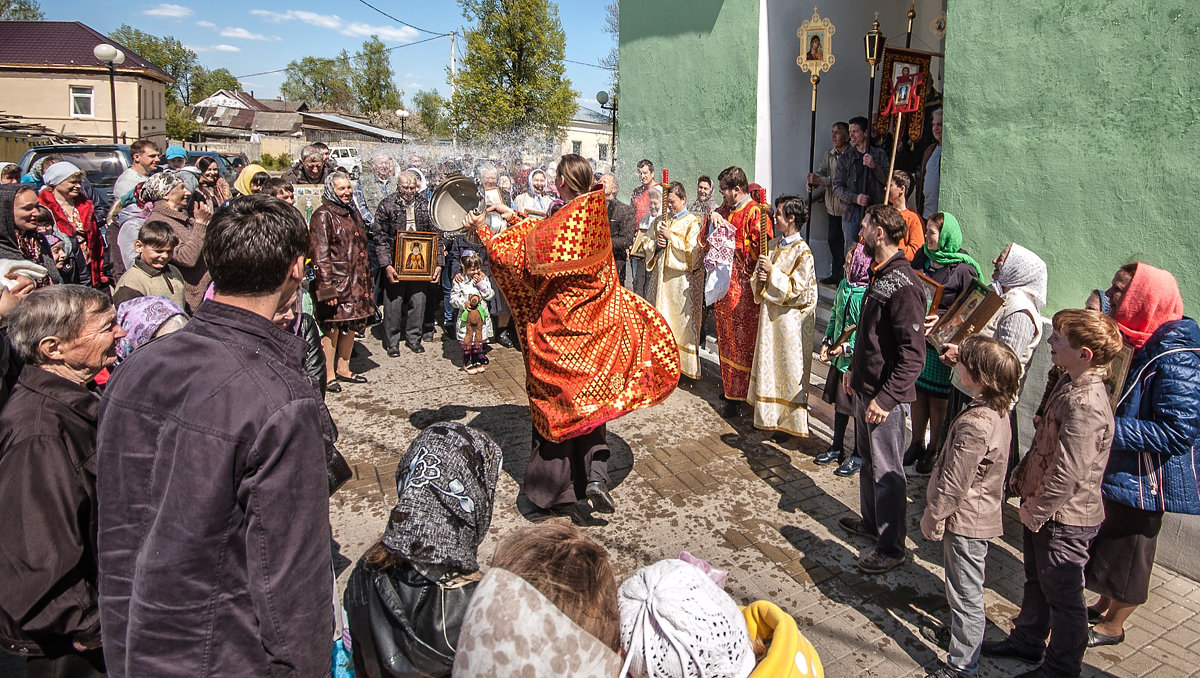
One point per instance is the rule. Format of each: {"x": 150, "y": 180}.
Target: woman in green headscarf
{"x": 942, "y": 259}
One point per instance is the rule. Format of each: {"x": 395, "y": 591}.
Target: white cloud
{"x": 243, "y": 34}
{"x": 200, "y": 49}
{"x": 333, "y": 22}
{"x": 414, "y": 85}
{"x": 169, "y": 11}
{"x": 206, "y": 24}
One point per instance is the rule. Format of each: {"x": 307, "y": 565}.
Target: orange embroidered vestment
{"x": 594, "y": 351}
{"x": 737, "y": 314}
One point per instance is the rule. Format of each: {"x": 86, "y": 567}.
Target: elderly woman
{"x": 74, "y": 215}
{"x": 66, "y": 334}
{"x": 19, "y": 236}
{"x": 1151, "y": 468}
{"x": 342, "y": 281}
{"x": 145, "y": 319}
{"x": 406, "y": 596}
{"x": 593, "y": 351}
{"x": 169, "y": 209}
{"x": 1021, "y": 277}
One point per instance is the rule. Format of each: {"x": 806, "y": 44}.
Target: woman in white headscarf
{"x": 74, "y": 215}
{"x": 535, "y": 202}
{"x": 1020, "y": 276}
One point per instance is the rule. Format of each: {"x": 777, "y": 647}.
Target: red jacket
{"x": 91, "y": 238}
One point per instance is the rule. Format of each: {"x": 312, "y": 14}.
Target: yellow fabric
{"x": 790, "y": 654}
{"x": 242, "y": 185}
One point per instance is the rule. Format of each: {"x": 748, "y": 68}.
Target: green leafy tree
{"x": 612, "y": 61}
{"x": 180, "y": 124}
{"x": 205, "y": 83}
{"x": 323, "y": 83}
{"x": 21, "y": 10}
{"x": 373, "y": 79}
{"x": 433, "y": 111}
{"x": 512, "y": 77}
{"x": 167, "y": 53}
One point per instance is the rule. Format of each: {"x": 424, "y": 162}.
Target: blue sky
{"x": 249, "y": 36}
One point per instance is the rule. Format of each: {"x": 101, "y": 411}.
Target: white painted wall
{"x": 782, "y": 146}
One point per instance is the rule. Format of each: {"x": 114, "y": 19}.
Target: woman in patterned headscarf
{"x": 406, "y": 596}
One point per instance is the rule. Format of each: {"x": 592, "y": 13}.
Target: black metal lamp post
{"x": 403, "y": 115}
{"x": 602, "y": 98}
{"x": 112, "y": 57}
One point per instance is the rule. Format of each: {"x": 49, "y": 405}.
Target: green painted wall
{"x": 688, "y": 87}
{"x": 1073, "y": 128}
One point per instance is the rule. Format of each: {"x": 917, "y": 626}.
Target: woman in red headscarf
{"x": 1152, "y": 467}
{"x": 593, "y": 350}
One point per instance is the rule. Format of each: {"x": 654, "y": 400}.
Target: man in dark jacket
{"x": 889, "y": 354}
{"x": 66, "y": 334}
{"x": 311, "y": 168}
{"x": 214, "y": 528}
{"x": 860, "y": 176}
{"x": 621, "y": 223}
{"x": 403, "y": 300}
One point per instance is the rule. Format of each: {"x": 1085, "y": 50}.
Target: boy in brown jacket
{"x": 1059, "y": 485}
{"x": 966, "y": 492}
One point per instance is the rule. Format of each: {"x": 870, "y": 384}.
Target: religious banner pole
{"x": 905, "y": 98}
{"x": 892, "y": 163}
{"x": 816, "y": 57}
{"x": 912, "y": 14}
{"x": 812, "y": 153}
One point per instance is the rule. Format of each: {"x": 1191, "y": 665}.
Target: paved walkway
{"x": 684, "y": 478}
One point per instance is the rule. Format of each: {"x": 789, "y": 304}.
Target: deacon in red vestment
{"x": 736, "y": 313}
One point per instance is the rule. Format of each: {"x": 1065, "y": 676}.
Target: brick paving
{"x": 686, "y": 479}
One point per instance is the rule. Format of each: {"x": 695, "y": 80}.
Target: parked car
{"x": 236, "y": 161}
{"x": 347, "y": 156}
{"x": 101, "y": 163}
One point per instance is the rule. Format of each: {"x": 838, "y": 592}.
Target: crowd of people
{"x": 195, "y": 326}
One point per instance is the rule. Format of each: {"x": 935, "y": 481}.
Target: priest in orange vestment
{"x": 594, "y": 351}
{"x": 736, "y": 313}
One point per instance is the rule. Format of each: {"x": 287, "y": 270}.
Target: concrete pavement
{"x": 686, "y": 479}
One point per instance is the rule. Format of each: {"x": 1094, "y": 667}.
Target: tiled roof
{"x": 60, "y": 43}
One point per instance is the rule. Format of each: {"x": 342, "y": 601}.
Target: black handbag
{"x": 402, "y": 624}
{"x": 339, "y": 471}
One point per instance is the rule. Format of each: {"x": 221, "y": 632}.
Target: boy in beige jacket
{"x": 1059, "y": 485}
{"x": 966, "y": 492}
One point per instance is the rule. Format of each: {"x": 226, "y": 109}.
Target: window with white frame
{"x": 577, "y": 147}
{"x": 81, "y": 102}
{"x": 602, "y": 151}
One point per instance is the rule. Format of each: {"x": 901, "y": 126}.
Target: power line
{"x": 582, "y": 63}
{"x": 423, "y": 30}
{"x": 388, "y": 49}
